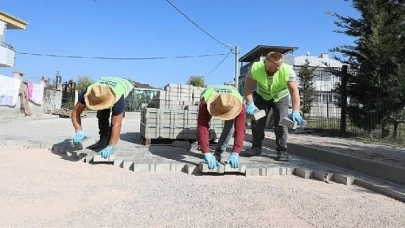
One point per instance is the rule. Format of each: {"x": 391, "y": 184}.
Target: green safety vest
{"x": 274, "y": 87}
{"x": 215, "y": 89}
{"x": 120, "y": 86}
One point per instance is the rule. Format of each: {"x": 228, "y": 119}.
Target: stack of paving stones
{"x": 174, "y": 115}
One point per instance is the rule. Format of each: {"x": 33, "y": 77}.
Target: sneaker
{"x": 101, "y": 144}
{"x": 254, "y": 151}
{"x": 283, "y": 156}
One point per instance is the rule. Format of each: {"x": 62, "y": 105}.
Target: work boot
{"x": 218, "y": 155}
{"x": 101, "y": 144}
{"x": 282, "y": 155}
{"x": 254, "y": 151}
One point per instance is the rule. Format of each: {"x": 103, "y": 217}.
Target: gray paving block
{"x": 282, "y": 170}
{"x": 10, "y": 142}
{"x": 118, "y": 162}
{"x": 143, "y": 167}
{"x": 304, "y": 173}
{"x": 252, "y": 172}
{"x": 97, "y": 158}
{"x": 290, "y": 170}
{"x": 203, "y": 167}
{"x": 89, "y": 157}
{"x": 343, "y": 179}
{"x": 177, "y": 167}
{"x": 322, "y": 176}
{"x": 162, "y": 167}
{"x": 128, "y": 165}
{"x": 192, "y": 169}
{"x": 86, "y": 142}
{"x": 229, "y": 169}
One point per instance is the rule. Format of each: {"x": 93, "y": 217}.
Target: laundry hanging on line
{"x": 9, "y": 90}
{"x": 35, "y": 93}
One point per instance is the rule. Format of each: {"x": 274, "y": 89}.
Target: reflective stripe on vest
{"x": 212, "y": 90}
{"x": 276, "y": 88}
{"x": 118, "y": 85}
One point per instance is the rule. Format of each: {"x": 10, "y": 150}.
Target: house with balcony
{"x": 7, "y": 52}
{"x": 324, "y": 81}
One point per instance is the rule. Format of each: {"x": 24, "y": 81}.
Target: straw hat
{"x": 224, "y": 106}
{"x": 99, "y": 97}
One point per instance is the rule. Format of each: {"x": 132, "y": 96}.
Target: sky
{"x": 153, "y": 28}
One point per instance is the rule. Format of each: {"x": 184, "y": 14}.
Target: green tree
{"x": 306, "y": 87}
{"x": 83, "y": 82}
{"x": 377, "y": 78}
{"x": 196, "y": 81}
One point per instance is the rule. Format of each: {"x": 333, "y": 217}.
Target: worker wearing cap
{"x": 222, "y": 102}
{"x": 275, "y": 81}
{"x": 105, "y": 96}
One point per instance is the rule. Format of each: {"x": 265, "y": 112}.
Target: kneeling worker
{"x": 225, "y": 103}
{"x": 104, "y": 96}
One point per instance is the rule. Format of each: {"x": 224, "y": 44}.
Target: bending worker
{"x": 225, "y": 103}
{"x": 104, "y": 96}
{"x": 275, "y": 81}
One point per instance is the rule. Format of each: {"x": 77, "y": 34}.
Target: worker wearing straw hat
{"x": 222, "y": 102}
{"x": 105, "y": 96}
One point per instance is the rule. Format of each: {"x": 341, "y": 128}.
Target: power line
{"x": 119, "y": 58}
{"x": 227, "y": 46}
{"x": 219, "y": 64}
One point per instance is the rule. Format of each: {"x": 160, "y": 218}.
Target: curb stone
{"x": 190, "y": 169}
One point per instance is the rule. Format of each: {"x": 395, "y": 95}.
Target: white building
{"x": 324, "y": 104}
{"x": 7, "y": 52}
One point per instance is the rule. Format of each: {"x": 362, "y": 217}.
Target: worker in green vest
{"x": 275, "y": 82}
{"x": 105, "y": 96}
{"x": 222, "y": 102}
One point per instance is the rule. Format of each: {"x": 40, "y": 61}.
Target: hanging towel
{"x": 9, "y": 89}
{"x": 29, "y": 90}
{"x": 37, "y": 95}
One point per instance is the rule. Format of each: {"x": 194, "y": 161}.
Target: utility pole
{"x": 236, "y": 49}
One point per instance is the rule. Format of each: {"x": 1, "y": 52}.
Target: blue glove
{"x": 210, "y": 159}
{"x": 106, "y": 152}
{"x": 233, "y": 160}
{"x": 250, "y": 108}
{"x": 79, "y": 136}
{"x": 296, "y": 117}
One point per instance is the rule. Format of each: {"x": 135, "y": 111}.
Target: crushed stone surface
{"x": 38, "y": 189}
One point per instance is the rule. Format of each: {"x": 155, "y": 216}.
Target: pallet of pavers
{"x": 173, "y": 124}
{"x": 175, "y": 115}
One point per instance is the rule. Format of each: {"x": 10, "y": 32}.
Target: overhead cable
{"x": 219, "y": 64}
{"x": 119, "y": 58}
{"x": 227, "y": 46}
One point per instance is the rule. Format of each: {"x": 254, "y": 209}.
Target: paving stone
{"x": 304, "y": 173}
{"x": 203, "y": 167}
{"x": 343, "y": 179}
{"x": 128, "y": 165}
{"x": 98, "y": 158}
{"x": 89, "y": 158}
{"x": 118, "y": 162}
{"x": 142, "y": 167}
{"x": 177, "y": 167}
{"x": 290, "y": 170}
{"x": 252, "y": 172}
{"x": 282, "y": 170}
{"x": 322, "y": 176}
{"x": 229, "y": 169}
{"x": 162, "y": 167}
{"x": 192, "y": 169}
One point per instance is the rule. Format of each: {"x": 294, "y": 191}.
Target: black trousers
{"x": 280, "y": 110}
{"x": 104, "y": 126}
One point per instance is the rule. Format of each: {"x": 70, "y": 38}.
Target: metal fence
{"x": 329, "y": 110}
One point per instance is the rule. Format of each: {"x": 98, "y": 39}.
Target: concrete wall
{"x": 52, "y": 101}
